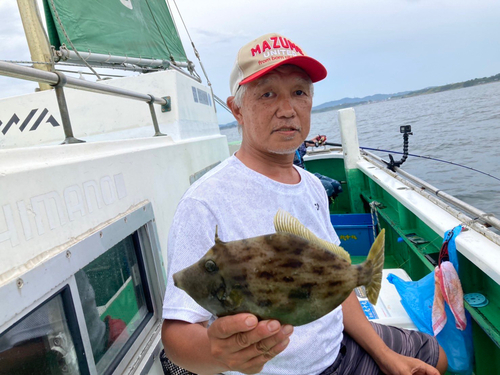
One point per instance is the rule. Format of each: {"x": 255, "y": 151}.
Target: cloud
{"x": 367, "y": 46}
{"x": 219, "y": 37}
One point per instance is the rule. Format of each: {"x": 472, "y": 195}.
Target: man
{"x": 332, "y": 187}
{"x": 272, "y": 90}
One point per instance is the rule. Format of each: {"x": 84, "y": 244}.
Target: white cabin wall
{"x": 47, "y": 209}
{"x": 105, "y": 117}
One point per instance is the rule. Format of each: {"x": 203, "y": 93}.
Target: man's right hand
{"x": 244, "y": 344}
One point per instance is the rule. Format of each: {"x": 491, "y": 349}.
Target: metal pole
{"x": 155, "y": 119}
{"x": 63, "y": 109}
{"x": 30, "y": 74}
{"x": 66, "y": 55}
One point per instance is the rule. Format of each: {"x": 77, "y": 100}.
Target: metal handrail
{"x": 32, "y": 74}
{"x": 59, "y": 80}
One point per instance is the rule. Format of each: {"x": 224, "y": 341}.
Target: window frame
{"x": 68, "y": 308}
{"x": 37, "y": 286}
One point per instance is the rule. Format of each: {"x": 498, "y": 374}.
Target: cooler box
{"x": 388, "y": 309}
{"x": 355, "y": 232}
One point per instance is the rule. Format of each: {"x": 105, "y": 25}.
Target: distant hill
{"x": 349, "y": 102}
{"x": 366, "y": 99}
{"x": 228, "y": 125}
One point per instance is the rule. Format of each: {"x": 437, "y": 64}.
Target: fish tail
{"x": 375, "y": 260}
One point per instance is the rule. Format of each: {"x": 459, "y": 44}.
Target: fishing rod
{"x": 317, "y": 144}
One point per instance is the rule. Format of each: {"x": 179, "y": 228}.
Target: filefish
{"x": 291, "y": 275}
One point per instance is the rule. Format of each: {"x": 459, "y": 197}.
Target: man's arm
{"x": 237, "y": 343}
{"x": 229, "y": 343}
{"x": 359, "y": 328}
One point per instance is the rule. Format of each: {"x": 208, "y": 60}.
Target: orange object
{"x": 115, "y": 329}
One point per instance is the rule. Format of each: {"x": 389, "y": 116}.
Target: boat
{"x": 91, "y": 174}
{"x": 416, "y": 216}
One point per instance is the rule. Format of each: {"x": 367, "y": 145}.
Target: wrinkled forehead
{"x": 287, "y": 72}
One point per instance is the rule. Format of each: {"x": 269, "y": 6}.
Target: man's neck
{"x": 277, "y": 167}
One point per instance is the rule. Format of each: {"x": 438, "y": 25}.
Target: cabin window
{"x": 114, "y": 303}
{"x": 91, "y": 309}
{"x": 195, "y": 94}
{"x": 40, "y": 343}
{"x": 201, "y": 96}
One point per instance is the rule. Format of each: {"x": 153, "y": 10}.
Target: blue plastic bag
{"x": 417, "y": 298}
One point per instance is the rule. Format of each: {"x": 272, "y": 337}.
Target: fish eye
{"x": 210, "y": 266}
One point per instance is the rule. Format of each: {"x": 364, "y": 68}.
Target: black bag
{"x": 170, "y": 368}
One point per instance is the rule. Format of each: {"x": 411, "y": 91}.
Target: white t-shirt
{"x": 242, "y": 203}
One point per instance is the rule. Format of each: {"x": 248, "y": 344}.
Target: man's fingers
{"x": 241, "y": 340}
{"x": 244, "y": 344}
{"x": 425, "y": 370}
{"x": 270, "y": 346}
{"x": 228, "y": 326}
{"x": 282, "y": 336}
{"x": 257, "y": 355}
{"x": 259, "y": 340}
{"x": 267, "y": 333}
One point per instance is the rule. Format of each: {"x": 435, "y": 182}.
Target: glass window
{"x": 202, "y": 97}
{"x": 195, "y": 94}
{"x": 113, "y": 300}
{"x": 40, "y": 343}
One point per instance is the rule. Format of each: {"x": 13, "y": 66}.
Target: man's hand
{"x": 244, "y": 344}
{"x": 401, "y": 365}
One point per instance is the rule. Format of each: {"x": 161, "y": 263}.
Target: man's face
{"x": 275, "y": 115}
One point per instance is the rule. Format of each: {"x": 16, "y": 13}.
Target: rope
{"x": 103, "y": 75}
{"x": 374, "y": 217}
{"x": 131, "y": 67}
{"x": 26, "y": 62}
{"x": 70, "y": 42}
{"x": 159, "y": 31}
{"x": 222, "y": 103}
{"x": 196, "y": 53}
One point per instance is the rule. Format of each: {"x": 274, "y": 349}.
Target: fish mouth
{"x": 176, "y": 280}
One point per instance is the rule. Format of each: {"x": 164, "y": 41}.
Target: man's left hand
{"x": 397, "y": 364}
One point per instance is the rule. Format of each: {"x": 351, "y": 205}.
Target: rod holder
{"x": 158, "y": 133}
{"x": 63, "y": 110}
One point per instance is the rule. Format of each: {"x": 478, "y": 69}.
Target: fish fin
{"x": 376, "y": 257}
{"x": 217, "y": 239}
{"x": 284, "y": 222}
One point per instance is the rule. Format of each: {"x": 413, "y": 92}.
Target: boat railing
{"x": 64, "y": 55}
{"x": 444, "y": 200}
{"x": 59, "y": 80}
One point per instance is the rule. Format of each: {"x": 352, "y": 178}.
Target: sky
{"x": 367, "y": 46}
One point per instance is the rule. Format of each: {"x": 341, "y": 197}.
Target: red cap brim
{"x": 312, "y": 67}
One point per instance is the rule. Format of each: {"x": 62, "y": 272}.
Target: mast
{"x": 35, "y": 35}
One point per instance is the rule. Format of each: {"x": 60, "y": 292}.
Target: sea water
{"x": 461, "y": 126}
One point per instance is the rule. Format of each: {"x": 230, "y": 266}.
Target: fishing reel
{"x": 392, "y": 164}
